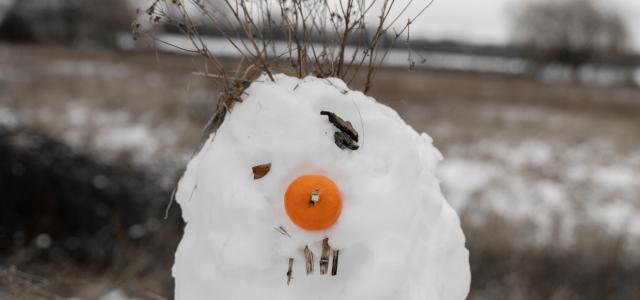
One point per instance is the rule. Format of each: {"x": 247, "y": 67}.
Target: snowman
{"x": 309, "y": 190}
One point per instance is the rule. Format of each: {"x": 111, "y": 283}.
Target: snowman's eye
{"x": 313, "y": 202}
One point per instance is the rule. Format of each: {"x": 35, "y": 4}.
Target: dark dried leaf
{"x": 344, "y": 126}
{"x": 344, "y": 141}
{"x": 260, "y": 171}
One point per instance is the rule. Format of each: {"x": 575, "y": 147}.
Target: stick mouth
{"x": 328, "y": 258}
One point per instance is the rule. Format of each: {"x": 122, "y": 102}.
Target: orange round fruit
{"x": 313, "y": 202}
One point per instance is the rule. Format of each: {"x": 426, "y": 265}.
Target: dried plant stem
{"x": 319, "y": 34}
{"x": 290, "y": 271}
{"x": 334, "y": 265}
{"x": 324, "y": 259}
{"x": 308, "y": 257}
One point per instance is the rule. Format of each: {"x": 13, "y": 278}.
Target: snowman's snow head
{"x": 279, "y": 187}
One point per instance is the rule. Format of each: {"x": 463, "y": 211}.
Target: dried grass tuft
{"x": 323, "y": 38}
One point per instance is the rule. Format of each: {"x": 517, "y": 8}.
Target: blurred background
{"x": 534, "y": 104}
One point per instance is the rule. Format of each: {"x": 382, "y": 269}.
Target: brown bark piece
{"x": 260, "y": 171}
{"x": 324, "y": 259}
{"x": 344, "y": 126}
{"x": 334, "y": 266}
{"x": 308, "y": 256}
{"x": 290, "y": 271}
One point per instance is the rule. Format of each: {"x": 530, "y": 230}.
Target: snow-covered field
{"x": 552, "y": 190}
{"x": 438, "y": 60}
{"x": 527, "y": 165}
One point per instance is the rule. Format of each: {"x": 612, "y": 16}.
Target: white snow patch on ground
{"x": 8, "y": 117}
{"x": 116, "y": 294}
{"x": 616, "y": 176}
{"x": 468, "y": 177}
{"x": 549, "y": 187}
{"x": 111, "y": 134}
{"x": 137, "y": 138}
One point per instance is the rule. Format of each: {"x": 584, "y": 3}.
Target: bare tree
{"x": 570, "y": 31}
{"x": 93, "y": 22}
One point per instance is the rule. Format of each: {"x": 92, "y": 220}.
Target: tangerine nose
{"x": 313, "y": 202}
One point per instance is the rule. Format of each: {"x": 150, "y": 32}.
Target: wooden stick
{"x": 308, "y": 256}
{"x": 290, "y": 271}
{"x": 324, "y": 259}
{"x": 334, "y": 267}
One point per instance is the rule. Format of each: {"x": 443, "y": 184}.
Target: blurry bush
{"x": 572, "y": 32}
{"x": 71, "y": 22}
{"x": 59, "y": 205}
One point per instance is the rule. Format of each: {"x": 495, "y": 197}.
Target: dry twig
{"x": 324, "y": 259}
{"x": 290, "y": 271}
{"x": 323, "y": 38}
{"x": 308, "y": 257}
{"x": 334, "y": 265}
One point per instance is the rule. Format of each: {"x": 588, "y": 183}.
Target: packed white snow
{"x": 398, "y": 237}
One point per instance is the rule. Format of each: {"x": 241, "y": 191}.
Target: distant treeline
{"x": 69, "y": 22}
{"x": 101, "y": 23}
{"x": 428, "y": 45}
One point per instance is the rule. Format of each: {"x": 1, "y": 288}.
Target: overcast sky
{"x": 483, "y": 21}
{"x": 488, "y": 21}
